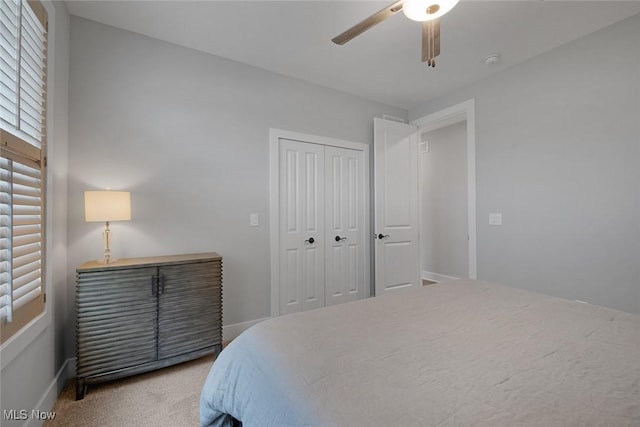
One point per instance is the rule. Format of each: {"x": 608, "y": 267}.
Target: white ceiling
{"x": 383, "y": 64}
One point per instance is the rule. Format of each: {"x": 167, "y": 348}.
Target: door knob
{"x": 382, "y": 236}
{"x": 310, "y": 240}
{"x": 339, "y": 239}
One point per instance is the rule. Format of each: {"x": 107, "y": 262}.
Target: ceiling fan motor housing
{"x": 426, "y": 10}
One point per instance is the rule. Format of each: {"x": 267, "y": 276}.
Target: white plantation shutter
{"x": 26, "y": 234}
{"x": 33, "y": 41}
{"x": 23, "y": 45}
{"x": 21, "y": 234}
{"x": 5, "y": 240}
{"x": 9, "y": 40}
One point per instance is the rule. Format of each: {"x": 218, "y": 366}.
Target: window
{"x": 23, "y": 48}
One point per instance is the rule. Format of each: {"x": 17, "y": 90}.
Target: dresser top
{"x": 149, "y": 261}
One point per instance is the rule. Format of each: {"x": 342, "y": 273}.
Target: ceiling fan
{"x": 426, "y": 11}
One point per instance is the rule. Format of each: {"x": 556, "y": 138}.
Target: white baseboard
{"x": 230, "y": 332}
{"x": 48, "y": 399}
{"x": 435, "y": 277}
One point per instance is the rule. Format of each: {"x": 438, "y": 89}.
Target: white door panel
{"x": 301, "y": 219}
{"x": 396, "y": 206}
{"x": 344, "y": 241}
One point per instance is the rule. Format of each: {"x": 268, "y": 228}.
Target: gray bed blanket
{"x": 461, "y": 353}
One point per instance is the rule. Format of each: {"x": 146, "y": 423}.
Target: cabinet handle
{"x": 154, "y": 286}
{"x": 162, "y": 281}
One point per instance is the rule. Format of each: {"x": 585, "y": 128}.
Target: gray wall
{"x": 188, "y": 134}
{"x": 444, "y": 247}
{"x": 29, "y": 380}
{"x": 558, "y": 153}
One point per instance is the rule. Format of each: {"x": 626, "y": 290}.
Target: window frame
{"x": 21, "y": 338}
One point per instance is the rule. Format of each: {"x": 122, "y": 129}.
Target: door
{"x": 396, "y": 206}
{"x": 344, "y": 225}
{"x": 188, "y": 307}
{"x": 116, "y": 319}
{"x": 301, "y": 226}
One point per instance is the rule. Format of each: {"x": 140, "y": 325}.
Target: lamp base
{"x": 106, "y": 236}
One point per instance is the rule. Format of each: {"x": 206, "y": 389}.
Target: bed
{"x": 458, "y": 353}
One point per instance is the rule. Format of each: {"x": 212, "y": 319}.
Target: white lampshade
{"x": 426, "y": 10}
{"x": 103, "y": 206}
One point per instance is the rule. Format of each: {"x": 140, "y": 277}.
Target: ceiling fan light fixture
{"x": 426, "y": 10}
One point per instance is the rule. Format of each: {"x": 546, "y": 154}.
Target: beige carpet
{"x": 167, "y": 397}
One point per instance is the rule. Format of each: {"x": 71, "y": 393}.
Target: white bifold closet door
{"x": 321, "y": 225}
{"x": 301, "y": 226}
{"x": 344, "y": 234}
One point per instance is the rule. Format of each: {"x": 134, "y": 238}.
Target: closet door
{"x": 344, "y": 225}
{"x": 301, "y": 226}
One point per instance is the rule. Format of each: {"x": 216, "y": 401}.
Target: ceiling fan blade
{"x": 430, "y": 41}
{"x": 363, "y": 26}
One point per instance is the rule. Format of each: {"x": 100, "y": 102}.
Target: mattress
{"x": 459, "y": 353}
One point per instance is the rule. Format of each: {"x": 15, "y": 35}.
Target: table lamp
{"x": 106, "y": 206}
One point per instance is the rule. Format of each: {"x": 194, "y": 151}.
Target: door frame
{"x": 465, "y": 111}
{"x": 274, "y": 204}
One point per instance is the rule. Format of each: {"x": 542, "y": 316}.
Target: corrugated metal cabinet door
{"x": 190, "y": 312}
{"x": 117, "y": 325}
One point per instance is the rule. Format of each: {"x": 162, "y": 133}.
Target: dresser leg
{"x": 81, "y": 388}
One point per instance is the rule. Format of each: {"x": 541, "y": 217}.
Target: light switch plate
{"x": 424, "y": 142}
{"x": 495, "y": 218}
{"x": 254, "y": 219}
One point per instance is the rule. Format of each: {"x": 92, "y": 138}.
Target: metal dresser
{"x": 140, "y": 314}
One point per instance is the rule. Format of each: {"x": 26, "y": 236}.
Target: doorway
{"x": 401, "y": 236}
{"x": 447, "y": 230}
{"x": 442, "y": 166}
